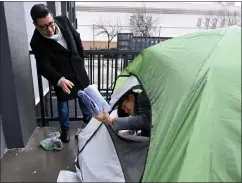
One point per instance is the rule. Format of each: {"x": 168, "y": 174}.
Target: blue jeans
{"x": 63, "y": 112}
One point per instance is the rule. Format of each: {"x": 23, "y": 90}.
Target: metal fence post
{"x": 41, "y": 97}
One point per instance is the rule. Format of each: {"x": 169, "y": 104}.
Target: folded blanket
{"x": 92, "y": 106}
{"x": 94, "y": 100}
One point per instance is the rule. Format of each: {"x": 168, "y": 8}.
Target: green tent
{"x": 194, "y": 86}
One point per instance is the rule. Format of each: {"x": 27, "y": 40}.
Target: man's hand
{"x": 65, "y": 84}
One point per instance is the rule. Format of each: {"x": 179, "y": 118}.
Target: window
{"x": 222, "y": 23}
{"x": 199, "y": 22}
{"x": 214, "y": 23}
{"x": 207, "y": 22}
{"x": 124, "y": 43}
{"x": 123, "y": 36}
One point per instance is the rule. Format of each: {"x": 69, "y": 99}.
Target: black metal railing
{"x": 103, "y": 68}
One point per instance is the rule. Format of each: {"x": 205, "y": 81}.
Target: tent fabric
{"x": 130, "y": 82}
{"x": 131, "y": 150}
{"x": 132, "y": 153}
{"x": 120, "y": 158}
{"x": 123, "y": 156}
{"x": 97, "y": 157}
{"x": 194, "y": 85}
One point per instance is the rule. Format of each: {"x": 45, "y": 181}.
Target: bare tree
{"x": 231, "y": 17}
{"x": 142, "y": 23}
{"x": 104, "y": 28}
{"x": 226, "y": 17}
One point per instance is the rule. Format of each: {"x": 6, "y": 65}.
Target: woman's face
{"x": 128, "y": 105}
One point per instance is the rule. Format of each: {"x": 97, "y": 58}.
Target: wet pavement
{"x": 34, "y": 164}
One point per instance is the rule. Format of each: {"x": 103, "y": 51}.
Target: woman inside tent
{"x": 134, "y": 113}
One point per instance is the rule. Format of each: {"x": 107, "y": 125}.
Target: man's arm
{"x": 44, "y": 66}
{"x": 77, "y": 40}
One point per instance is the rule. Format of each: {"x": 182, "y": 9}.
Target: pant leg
{"x": 85, "y": 111}
{"x": 63, "y": 113}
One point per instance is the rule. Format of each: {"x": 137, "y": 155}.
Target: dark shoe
{"x": 65, "y": 137}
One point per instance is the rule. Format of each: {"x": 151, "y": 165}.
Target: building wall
{"x": 30, "y": 30}
{"x": 174, "y": 18}
{"x": 17, "y": 92}
{"x": 3, "y": 143}
{"x": 87, "y": 45}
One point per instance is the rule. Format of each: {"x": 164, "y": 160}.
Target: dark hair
{"x": 121, "y": 112}
{"x": 39, "y": 11}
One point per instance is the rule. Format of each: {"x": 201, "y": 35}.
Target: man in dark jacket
{"x": 134, "y": 113}
{"x": 60, "y": 59}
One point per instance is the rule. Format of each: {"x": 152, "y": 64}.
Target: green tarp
{"x": 194, "y": 84}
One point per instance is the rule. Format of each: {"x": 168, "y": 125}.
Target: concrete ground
{"x": 34, "y": 164}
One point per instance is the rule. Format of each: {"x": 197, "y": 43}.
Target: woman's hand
{"x": 100, "y": 117}
{"x": 104, "y": 117}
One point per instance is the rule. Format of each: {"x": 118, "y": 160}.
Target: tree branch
{"x": 105, "y": 29}
{"x": 227, "y": 16}
{"x": 142, "y": 24}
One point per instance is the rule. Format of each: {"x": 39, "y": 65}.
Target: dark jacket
{"x": 141, "y": 119}
{"x": 54, "y": 61}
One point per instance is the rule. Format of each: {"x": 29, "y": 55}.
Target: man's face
{"x": 46, "y": 25}
{"x": 128, "y": 105}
